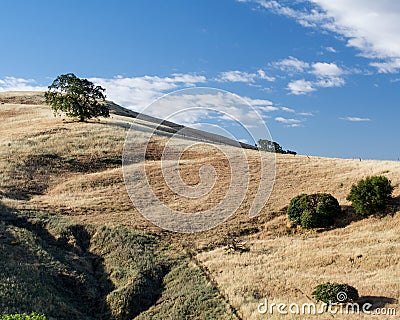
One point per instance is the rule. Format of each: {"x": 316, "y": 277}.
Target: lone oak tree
{"x": 76, "y": 97}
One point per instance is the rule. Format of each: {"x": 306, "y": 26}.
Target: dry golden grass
{"x": 75, "y": 169}
{"x": 285, "y": 269}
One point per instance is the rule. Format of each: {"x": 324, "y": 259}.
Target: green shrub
{"x": 335, "y": 293}
{"x": 296, "y": 207}
{"x": 308, "y": 219}
{"x": 313, "y": 211}
{"x": 370, "y": 195}
{"x": 23, "y": 316}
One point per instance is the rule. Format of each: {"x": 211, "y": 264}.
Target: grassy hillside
{"x": 74, "y": 247}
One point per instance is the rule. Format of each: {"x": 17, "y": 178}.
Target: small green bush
{"x": 335, "y": 293}
{"x": 23, "y": 316}
{"x": 370, "y": 195}
{"x": 308, "y": 219}
{"x": 296, "y": 207}
{"x": 314, "y": 211}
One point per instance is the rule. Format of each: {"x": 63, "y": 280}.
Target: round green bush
{"x": 308, "y": 219}
{"x": 314, "y": 210}
{"x": 335, "y": 293}
{"x": 296, "y": 208}
{"x": 370, "y": 195}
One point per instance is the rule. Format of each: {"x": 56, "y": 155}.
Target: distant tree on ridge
{"x": 78, "y": 98}
{"x": 272, "y": 146}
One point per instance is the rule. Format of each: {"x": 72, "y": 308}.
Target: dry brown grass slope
{"x": 56, "y": 175}
{"x": 75, "y": 169}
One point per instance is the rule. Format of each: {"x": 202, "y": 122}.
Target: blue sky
{"x": 324, "y": 74}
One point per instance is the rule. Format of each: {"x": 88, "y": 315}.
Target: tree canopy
{"x": 76, "y": 97}
{"x": 371, "y": 195}
{"x": 272, "y": 146}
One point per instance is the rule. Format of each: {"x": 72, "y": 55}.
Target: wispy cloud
{"x": 289, "y": 122}
{"x": 138, "y": 92}
{"x": 325, "y": 74}
{"x": 242, "y": 76}
{"x": 330, "y": 82}
{"x": 309, "y": 114}
{"x": 324, "y": 69}
{"x": 370, "y": 26}
{"x": 261, "y": 105}
{"x": 236, "y": 76}
{"x": 389, "y": 66}
{"x": 355, "y": 119}
{"x": 328, "y": 75}
{"x": 299, "y": 87}
{"x": 20, "y": 84}
{"x": 186, "y": 79}
{"x": 294, "y": 125}
{"x": 262, "y": 75}
{"x": 330, "y": 49}
{"x": 286, "y": 109}
{"x": 291, "y": 64}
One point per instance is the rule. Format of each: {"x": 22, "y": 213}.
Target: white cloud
{"x": 138, "y": 92}
{"x": 236, "y": 76}
{"x": 187, "y": 79}
{"x": 310, "y": 18}
{"x": 324, "y": 69}
{"x": 290, "y": 122}
{"x": 330, "y": 49}
{"x": 327, "y": 74}
{"x": 371, "y": 26}
{"x": 262, "y": 75}
{"x": 191, "y": 107}
{"x": 298, "y": 87}
{"x": 390, "y": 66}
{"x": 355, "y": 119}
{"x": 20, "y": 84}
{"x": 266, "y": 108}
{"x": 291, "y": 64}
{"x": 241, "y": 76}
{"x": 294, "y": 125}
{"x": 330, "y": 82}
{"x": 306, "y": 114}
{"x": 261, "y": 105}
{"x": 287, "y": 121}
{"x": 258, "y": 102}
{"x": 286, "y": 109}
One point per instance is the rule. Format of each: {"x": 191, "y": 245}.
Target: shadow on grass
{"x": 394, "y": 205}
{"x": 349, "y": 215}
{"x": 32, "y": 174}
{"x": 376, "y": 301}
{"x": 45, "y": 274}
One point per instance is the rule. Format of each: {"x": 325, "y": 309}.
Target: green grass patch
{"x": 188, "y": 294}
{"x": 64, "y": 270}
